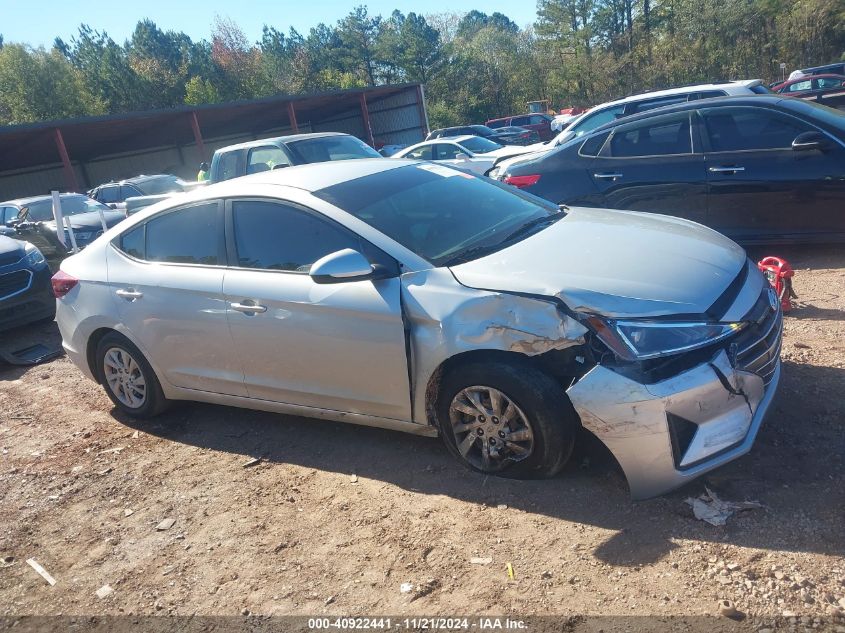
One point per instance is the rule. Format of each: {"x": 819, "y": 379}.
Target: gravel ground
{"x": 334, "y": 519}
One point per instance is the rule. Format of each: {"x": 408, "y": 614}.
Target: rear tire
{"x": 127, "y": 377}
{"x": 506, "y": 418}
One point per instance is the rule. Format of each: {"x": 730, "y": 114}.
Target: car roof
{"x": 809, "y": 77}
{"x": 279, "y": 139}
{"x": 822, "y": 67}
{"x": 310, "y": 177}
{"x": 755, "y": 100}
{"x": 22, "y": 202}
{"x": 719, "y": 85}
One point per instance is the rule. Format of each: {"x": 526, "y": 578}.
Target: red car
{"x": 827, "y": 89}
{"x": 540, "y": 123}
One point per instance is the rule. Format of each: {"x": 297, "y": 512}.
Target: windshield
{"x": 42, "y": 210}
{"x": 321, "y": 150}
{"x": 439, "y": 213}
{"x": 478, "y": 145}
{"x": 482, "y": 130}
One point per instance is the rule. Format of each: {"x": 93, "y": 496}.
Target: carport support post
{"x": 423, "y": 113}
{"x": 195, "y": 126}
{"x": 292, "y": 116}
{"x": 365, "y": 115}
{"x": 70, "y": 175}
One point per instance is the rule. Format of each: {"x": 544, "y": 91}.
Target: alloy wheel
{"x": 124, "y": 377}
{"x": 490, "y": 430}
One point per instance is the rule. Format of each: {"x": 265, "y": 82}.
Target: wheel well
{"x": 91, "y": 350}
{"x": 563, "y": 366}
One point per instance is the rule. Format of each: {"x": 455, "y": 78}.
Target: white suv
{"x": 612, "y": 110}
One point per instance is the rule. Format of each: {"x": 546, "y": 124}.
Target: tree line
{"x": 474, "y": 66}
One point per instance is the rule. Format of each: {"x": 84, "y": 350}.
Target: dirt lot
{"x": 336, "y": 518}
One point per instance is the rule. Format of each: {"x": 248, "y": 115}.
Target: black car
{"x": 25, "y": 291}
{"x": 32, "y": 220}
{"x": 513, "y": 137}
{"x": 761, "y": 169}
{"x": 114, "y": 194}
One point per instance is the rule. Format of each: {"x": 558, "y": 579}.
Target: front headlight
{"x": 641, "y": 340}
{"x": 33, "y": 256}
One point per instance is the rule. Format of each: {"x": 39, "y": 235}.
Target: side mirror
{"x": 807, "y": 141}
{"x": 462, "y": 157}
{"x": 281, "y": 166}
{"x": 341, "y": 266}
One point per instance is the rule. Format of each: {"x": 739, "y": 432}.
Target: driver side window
{"x": 447, "y": 151}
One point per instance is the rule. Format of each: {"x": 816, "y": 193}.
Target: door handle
{"x": 612, "y": 176}
{"x": 248, "y": 308}
{"x": 130, "y": 294}
{"x": 727, "y": 169}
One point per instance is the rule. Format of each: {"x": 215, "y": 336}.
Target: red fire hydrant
{"x": 779, "y": 273}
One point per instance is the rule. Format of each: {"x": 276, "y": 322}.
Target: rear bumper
{"x": 668, "y": 433}
{"x": 33, "y": 304}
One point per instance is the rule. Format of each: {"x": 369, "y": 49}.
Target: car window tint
{"x": 264, "y": 159}
{"x": 592, "y": 146}
{"x": 127, "y": 191}
{"x": 710, "y": 94}
{"x": 228, "y": 166}
{"x": 652, "y": 104}
{"x": 421, "y": 153}
{"x": 108, "y": 194}
{"x": 536, "y": 119}
{"x": 660, "y": 136}
{"x": 519, "y": 120}
{"x": 799, "y": 86}
{"x": 132, "y": 242}
{"x": 320, "y": 150}
{"x": 593, "y": 121}
{"x": 276, "y": 236}
{"x": 187, "y": 236}
{"x": 829, "y": 82}
{"x": 735, "y": 129}
{"x": 447, "y": 151}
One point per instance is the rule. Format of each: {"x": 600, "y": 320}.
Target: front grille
{"x": 758, "y": 345}
{"x": 13, "y": 283}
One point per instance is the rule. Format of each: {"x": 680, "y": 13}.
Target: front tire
{"x": 127, "y": 377}
{"x": 506, "y": 418}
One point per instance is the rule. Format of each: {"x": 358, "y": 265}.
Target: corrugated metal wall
{"x": 395, "y": 121}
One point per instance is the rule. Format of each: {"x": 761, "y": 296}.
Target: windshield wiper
{"x": 472, "y": 253}
{"x": 528, "y": 227}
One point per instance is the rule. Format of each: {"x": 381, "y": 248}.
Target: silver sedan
{"x": 417, "y": 297}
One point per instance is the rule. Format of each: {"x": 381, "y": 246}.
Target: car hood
{"x": 11, "y": 250}
{"x": 91, "y": 220}
{"x": 508, "y": 150}
{"x": 615, "y": 263}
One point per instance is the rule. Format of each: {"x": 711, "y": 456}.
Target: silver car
{"x": 417, "y": 297}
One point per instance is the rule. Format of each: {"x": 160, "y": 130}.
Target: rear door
{"x": 166, "y": 278}
{"x": 334, "y": 346}
{"x": 759, "y": 188}
{"x": 650, "y": 165}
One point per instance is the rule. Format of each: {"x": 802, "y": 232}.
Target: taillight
{"x": 522, "y": 181}
{"x": 62, "y": 284}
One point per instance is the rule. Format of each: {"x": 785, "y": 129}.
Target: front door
{"x": 759, "y": 188}
{"x": 650, "y": 166}
{"x": 330, "y": 346}
{"x": 166, "y": 278}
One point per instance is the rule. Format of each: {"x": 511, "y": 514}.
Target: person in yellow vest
{"x": 202, "y": 174}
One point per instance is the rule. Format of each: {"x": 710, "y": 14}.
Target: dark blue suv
{"x": 26, "y": 294}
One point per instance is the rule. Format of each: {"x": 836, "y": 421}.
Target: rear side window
{"x": 709, "y": 94}
{"x": 275, "y": 236}
{"x": 659, "y": 136}
{"x": 264, "y": 159}
{"x": 132, "y": 242}
{"x": 320, "y": 150}
{"x": 799, "y": 86}
{"x": 187, "y": 236}
{"x": 108, "y": 194}
{"x": 228, "y": 166}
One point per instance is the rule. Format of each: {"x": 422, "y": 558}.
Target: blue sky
{"x": 37, "y": 22}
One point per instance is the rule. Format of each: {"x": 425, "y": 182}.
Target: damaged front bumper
{"x": 668, "y": 433}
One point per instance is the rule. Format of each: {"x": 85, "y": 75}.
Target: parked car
{"x": 420, "y": 298}
{"x": 538, "y": 122}
{"x": 836, "y": 68}
{"x": 472, "y": 153}
{"x": 504, "y": 138}
{"x": 565, "y": 117}
{"x": 521, "y": 136}
{"x": 33, "y": 221}
{"x": 763, "y": 169}
{"x": 25, "y": 292}
{"x": 828, "y": 90}
{"x": 274, "y": 153}
{"x": 156, "y": 186}
{"x": 615, "y": 110}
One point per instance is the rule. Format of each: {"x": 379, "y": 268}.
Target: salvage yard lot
{"x": 335, "y": 518}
